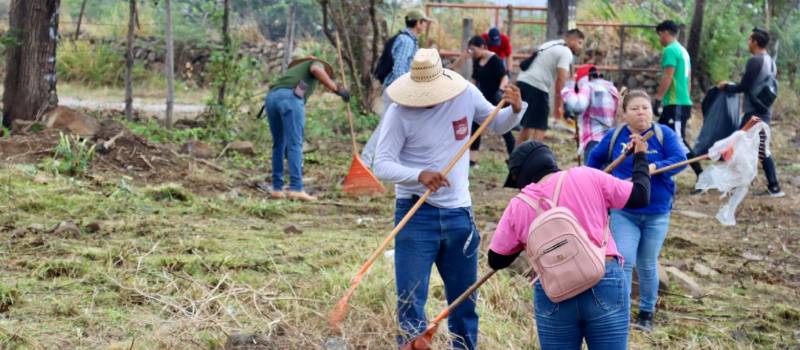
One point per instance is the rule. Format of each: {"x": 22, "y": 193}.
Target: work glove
{"x": 343, "y": 93}
{"x": 657, "y": 108}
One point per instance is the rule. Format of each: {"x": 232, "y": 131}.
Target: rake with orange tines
{"x": 727, "y": 154}
{"x": 424, "y": 340}
{"x": 339, "y": 311}
{"x": 359, "y": 180}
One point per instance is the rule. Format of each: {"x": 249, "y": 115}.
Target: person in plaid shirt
{"x": 593, "y": 100}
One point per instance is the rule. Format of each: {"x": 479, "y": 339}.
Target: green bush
{"x": 94, "y": 65}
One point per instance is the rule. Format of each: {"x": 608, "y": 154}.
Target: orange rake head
{"x": 360, "y": 180}
{"x": 422, "y": 341}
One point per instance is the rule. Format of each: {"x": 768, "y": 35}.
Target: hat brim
{"x": 328, "y": 68}
{"x": 409, "y": 93}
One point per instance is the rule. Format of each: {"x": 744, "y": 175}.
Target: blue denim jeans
{"x": 639, "y": 238}
{"x": 286, "y": 116}
{"x": 600, "y": 315}
{"x": 449, "y": 239}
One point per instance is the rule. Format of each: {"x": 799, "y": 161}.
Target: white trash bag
{"x": 733, "y": 176}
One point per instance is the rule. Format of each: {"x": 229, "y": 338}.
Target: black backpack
{"x": 386, "y": 61}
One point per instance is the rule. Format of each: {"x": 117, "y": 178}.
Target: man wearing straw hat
{"x": 426, "y": 126}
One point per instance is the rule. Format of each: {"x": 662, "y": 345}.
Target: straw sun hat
{"x": 427, "y": 84}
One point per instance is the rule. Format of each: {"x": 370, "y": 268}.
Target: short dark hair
{"x": 477, "y": 41}
{"x": 575, "y": 33}
{"x": 667, "y": 26}
{"x": 760, "y": 36}
{"x": 411, "y": 23}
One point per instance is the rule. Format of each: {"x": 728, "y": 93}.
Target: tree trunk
{"x": 170, "y": 65}
{"x": 693, "y": 43}
{"x": 288, "y": 47}
{"x": 30, "y": 82}
{"x": 80, "y": 19}
{"x": 129, "y": 62}
{"x": 226, "y": 42}
{"x": 355, "y": 21}
{"x": 557, "y": 18}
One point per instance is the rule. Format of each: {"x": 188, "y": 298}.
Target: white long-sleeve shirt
{"x": 415, "y": 139}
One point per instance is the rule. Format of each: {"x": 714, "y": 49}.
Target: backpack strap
{"x": 557, "y": 192}
{"x": 529, "y": 201}
{"x": 614, "y": 137}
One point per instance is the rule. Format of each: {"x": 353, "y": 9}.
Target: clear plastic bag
{"x": 733, "y": 176}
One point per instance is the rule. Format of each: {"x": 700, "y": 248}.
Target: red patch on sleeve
{"x": 460, "y": 128}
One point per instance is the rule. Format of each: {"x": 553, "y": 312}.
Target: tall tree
{"x": 30, "y": 82}
{"x": 129, "y": 61}
{"x": 356, "y": 22}
{"x": 170, "y": 64}
{"x": 693, "y": 44}
{"x": 558, "y": 17}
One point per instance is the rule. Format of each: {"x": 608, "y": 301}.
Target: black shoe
{"x": 644, "y": 322}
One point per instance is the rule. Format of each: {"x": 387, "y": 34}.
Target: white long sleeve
{"x": 415, "y": 139}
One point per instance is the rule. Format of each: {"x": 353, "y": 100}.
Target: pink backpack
{"x": 565, "y": 260}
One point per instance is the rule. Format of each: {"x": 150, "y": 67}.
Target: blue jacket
{"x": 662, "y": 188}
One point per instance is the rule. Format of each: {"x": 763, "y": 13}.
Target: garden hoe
{"x": 360, "y": 180}
{"x": 339, "y": 311}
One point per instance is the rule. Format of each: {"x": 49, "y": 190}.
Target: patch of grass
{"x": 9, "y": 296}
{"x": 51, "y": 269}
{"x": 169, "y": 192}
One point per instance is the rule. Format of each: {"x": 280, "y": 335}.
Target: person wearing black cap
{"x": 589, "y": 194}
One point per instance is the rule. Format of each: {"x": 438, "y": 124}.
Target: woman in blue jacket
{"x": 639, "y": 233}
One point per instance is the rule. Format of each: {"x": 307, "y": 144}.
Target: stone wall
{"x": 191, "y": 59}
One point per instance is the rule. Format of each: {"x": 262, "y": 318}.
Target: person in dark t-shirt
{"x": 759, "y": 69}
{"x": 489, "y": 75}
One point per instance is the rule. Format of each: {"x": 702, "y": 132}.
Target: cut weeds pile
{"x": 162, "y": 263}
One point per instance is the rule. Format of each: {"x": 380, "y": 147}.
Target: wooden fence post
{"x": 170, "y": 65}
{"x": 466, "y": 34}
{"x": 80, "y": 19}
{"x": 128, "y": 59}
{"x": 288, "y": 46}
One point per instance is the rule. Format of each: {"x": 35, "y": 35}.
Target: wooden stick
{"x": 344, "y": 83}
{"x": 338, "y": 313}
{"x": 679, "y": 164}
{"x": 626, "y": 153}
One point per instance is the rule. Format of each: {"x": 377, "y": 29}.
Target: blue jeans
{"x": 448, "y": 238}
{"x": 639, "y": 238}
{"x": 600, "y": 315}
{"x": 286, "y": 116}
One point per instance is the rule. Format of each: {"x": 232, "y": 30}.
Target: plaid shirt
{"x": 596, "y": 102}
{"x": 402, "y": 53}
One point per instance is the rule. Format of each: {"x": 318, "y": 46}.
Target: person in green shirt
{"x": 674, "y": 86}
{"x": 285, "y": 107}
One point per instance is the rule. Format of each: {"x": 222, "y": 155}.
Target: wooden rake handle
{"x": 344, "y": 82}
{"x": 461, "y": 298}
{"x": 679, "y": 164}
{"x": 621, "y": 158}
{"x": 727, "y": 154}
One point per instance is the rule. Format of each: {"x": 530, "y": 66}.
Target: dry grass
{"x": 163, "y": 273}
